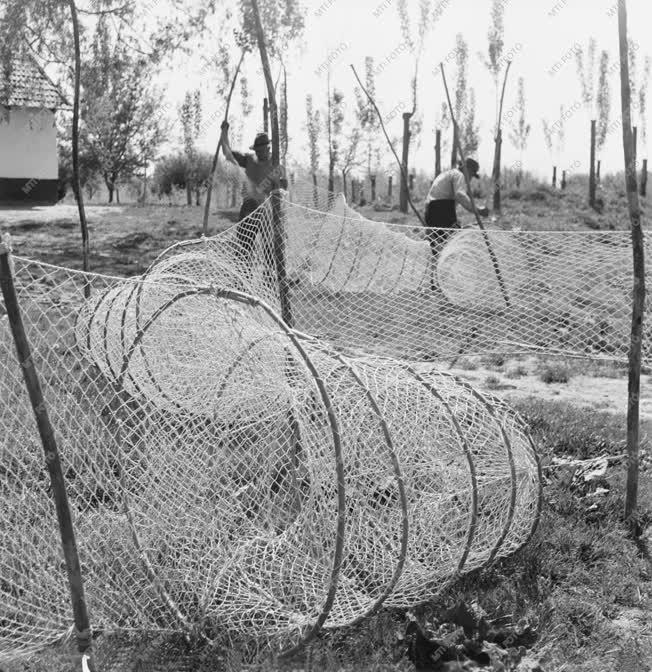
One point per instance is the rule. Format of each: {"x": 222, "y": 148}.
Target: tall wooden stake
{"x": 554, "y": 176}
{"x": 76, "y": 183}
{"x": 437, "y": 152}
{"x": 52, "y": 460}
{"x": 265, "y": 115}
{"x": 638, "y": 302}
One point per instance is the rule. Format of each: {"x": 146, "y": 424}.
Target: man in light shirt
{"x": 260, "y": 175}
{"x": 448, "y": 189}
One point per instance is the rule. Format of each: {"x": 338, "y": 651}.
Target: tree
{"x": 442, "y": 124}
{"x": 312, "y": 125}
{"x": 555, "y": 139}
{"x": 469, "y": 131}
{"x": 425, "y": 23}
{"x": 349, "y": 157}
{"x": 191, "y": 117}
{"x": 369, "y": 124}
{"x": 335, "y": 120}
{"x": 586, "y": 76}
{"x": 604, "y": 107}
{"x": 521, "y": 130}
{"x": 461, "y": 90}
{"x": 494, "y": 63}
{"x": 122, "y": 124}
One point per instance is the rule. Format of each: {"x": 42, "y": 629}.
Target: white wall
{"x": 28, "y": 143}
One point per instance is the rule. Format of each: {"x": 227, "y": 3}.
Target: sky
{"x": 541, "y": 37}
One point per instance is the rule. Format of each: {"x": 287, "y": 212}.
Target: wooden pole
{"x": 266, "y": 115}
{"x": 76, "y": 183}
{"x": 598, "y": 165}
{"x": 52, "y": 459}
{"x": 592, "y": 167}
{"x": 638, "y": 299}
{"x": 563, "y": 179}
{"x": 403, "y": 193}
{"x": 554, "y": 176}
{"x": 211, "y": 178}
{"x": 495, "y": 175}
{"x": 389, "y": 186}
{"x": 277, "y": 222}
{"x": 492, "y": 254}
{"x": 643, "y": 191}
{"x": 437, "y": 152}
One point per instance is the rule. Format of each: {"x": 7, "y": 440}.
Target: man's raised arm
{"x": 226, "y": 147}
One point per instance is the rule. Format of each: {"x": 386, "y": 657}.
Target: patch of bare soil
{"x": 596, "y": 392}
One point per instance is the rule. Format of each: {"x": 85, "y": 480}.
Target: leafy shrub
{"x": 492, "y": 382}
{"x": 554, "y": 373}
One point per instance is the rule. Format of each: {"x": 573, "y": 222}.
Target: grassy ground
{"x": 581, "y": 586}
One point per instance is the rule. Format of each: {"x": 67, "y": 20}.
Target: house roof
{"x": 28, "y": 86}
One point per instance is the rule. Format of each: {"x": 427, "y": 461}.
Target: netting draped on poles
{"x": 375, "y": 287}
{"x": 229, "y": 476}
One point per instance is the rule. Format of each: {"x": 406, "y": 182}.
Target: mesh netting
{"x": 230, "y": 477}
{"x": 374, "y": 287}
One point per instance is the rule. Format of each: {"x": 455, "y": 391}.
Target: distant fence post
{"x": 52, "y": 460}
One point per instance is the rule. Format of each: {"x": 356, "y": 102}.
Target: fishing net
{"x": 380, "y": 288}
{"x": 231, "y": 478}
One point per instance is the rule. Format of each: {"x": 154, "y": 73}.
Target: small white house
{"x": 28, "y": 134}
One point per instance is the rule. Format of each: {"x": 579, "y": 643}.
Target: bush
{"x": 492, "y": 382}
{"x": 554, "y": 373}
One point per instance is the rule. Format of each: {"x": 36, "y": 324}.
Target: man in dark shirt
{"x": 260, "y": 175}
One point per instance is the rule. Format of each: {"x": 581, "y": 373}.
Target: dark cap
{"x": 260, "y": 141}
{"x": 473, "y": 167}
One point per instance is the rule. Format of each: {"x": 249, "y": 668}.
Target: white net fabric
{"x": 378, "y": 288}
{"x": 231, "y": 477}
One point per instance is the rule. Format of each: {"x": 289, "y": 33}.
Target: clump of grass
{"x": 467, "y": 364}
{"x": 493, "y": 360}
{"x": 517, "y": 371}
{"x": 492, "y": 383}
{"x": 554, "y": 373}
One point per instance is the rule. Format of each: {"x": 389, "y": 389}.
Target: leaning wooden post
{"x": 265, "y": 115}
{"x": 638, "y": 299}
{"x": 52, "y": 460}
{"x": 495, "y": 173}
{"x": 209, "y": 190}
{"x": 492, "y": 254}
{"x": 437, "y": 152}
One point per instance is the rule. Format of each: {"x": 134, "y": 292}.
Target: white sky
{"x": 539, "y": 33}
